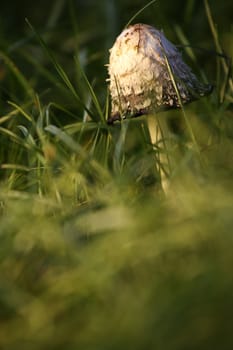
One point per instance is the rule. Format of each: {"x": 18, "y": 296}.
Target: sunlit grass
{"x": 93, "y": 255}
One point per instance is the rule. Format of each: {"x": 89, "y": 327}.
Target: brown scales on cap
{"x": 142, "y": 64}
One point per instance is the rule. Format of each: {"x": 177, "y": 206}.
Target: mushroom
{"x": 147, "y": 74}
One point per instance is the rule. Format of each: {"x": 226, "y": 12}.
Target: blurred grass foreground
{"x": 93, "y": 255}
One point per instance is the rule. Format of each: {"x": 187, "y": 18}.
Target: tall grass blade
{"x": 139, "y": 12}
{"x": 65, "y": 138}
{"x": 64, "y": 77}
{"x": 77, "y": 148}
{"x": 92, "y": 93}
{"x": 19, "y": 76}
{"x": 190, "y": 130}
{"x": 216, "y": 41}
{"x": 14, "y": 137}
{"x": 21, "y": 111}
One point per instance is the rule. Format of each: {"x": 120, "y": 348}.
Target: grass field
{"x": 93, "y": 254}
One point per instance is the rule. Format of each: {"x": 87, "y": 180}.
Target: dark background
{"x": 87, "y": 29}
{"x": 99, "y": 22}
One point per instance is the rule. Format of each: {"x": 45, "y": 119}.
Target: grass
{"x": 92, "y": 254}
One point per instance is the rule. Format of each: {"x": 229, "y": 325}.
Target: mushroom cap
{"x": 143, "y": 67}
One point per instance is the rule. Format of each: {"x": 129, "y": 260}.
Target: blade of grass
{"x": 65, "y": 138}
{"x": 15, "y": 167}
{"x": 107, "y": 103}
{"x": 182, "y": 107}
{"x": 21, "y": 111}
{"x": 119, "y": 156}
{"x": 216, "y": 40}
{"x": 184, "y": 40}
{"x": 14, "y": 137}
{"x": 93, "y": 95}
{"x": 77, "y": 148}
{"x": 62, "y": 74}
{"x": 20, "y": 77}
{"x": 81, "y": 127}
{"x": 45, "y": 73}
{"x": 59, "y": 108}
{"x": 190, "y": 130}
{"x": 139, "y": 12}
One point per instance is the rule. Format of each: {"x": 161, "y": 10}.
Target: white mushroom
{"x": 147, "y": 74}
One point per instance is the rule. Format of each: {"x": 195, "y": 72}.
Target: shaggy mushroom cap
{"x": 142, "y": 69}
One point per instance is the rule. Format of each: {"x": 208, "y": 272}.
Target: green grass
{"x": 93, "y": 255}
